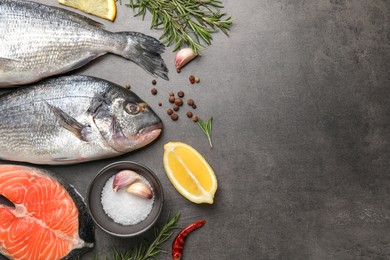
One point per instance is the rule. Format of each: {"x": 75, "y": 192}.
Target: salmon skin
{"x": 38, "y": 41}
{"x": 73, "y": 119}
{"x": 48, "y": 218}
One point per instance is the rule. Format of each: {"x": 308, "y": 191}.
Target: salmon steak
{"x": 43, "y": 217}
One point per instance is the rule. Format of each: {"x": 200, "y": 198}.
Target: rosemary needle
{"x": 184, "y": 22}
{"x": 146, "y": 250}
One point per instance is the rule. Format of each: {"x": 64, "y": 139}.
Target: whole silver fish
{"x": 38, "y": 41}
{"x": 73, "y": 119}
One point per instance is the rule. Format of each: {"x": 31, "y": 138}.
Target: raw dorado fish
{"x": 38, "y": 41}
{"x": 48, "y": 219}
{"x": 73, "y": 119}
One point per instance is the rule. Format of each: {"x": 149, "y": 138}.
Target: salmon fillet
{"x": 44, "y": 222}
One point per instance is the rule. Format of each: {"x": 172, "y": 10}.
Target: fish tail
{"x": 145, "y": 51}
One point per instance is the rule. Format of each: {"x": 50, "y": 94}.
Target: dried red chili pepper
{"x": 178, "y": 243}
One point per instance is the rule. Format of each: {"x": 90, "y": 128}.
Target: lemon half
{"x": 189, "y": 172}
{"x": 102, "y": 8}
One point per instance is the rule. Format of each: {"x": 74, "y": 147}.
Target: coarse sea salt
{"x": 125, "y": 208}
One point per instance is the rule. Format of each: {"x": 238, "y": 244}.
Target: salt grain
{"x": 125, "y": 208}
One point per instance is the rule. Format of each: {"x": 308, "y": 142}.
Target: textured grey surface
{"x": 299, "y": 94}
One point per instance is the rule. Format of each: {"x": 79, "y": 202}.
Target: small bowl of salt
{"x": 125, "y": 199}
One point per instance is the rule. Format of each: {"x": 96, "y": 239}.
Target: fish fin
{"x": 67, "y": 159}
{"x": 145, "y": 51}
{"x": 82, "y": 62}
{"x": 7, "y": 63}
{"x": 69, "y": 123}
{"x": 4, "y": 60}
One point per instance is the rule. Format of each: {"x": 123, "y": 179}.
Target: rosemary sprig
{"x": 184, "y": 22}
{"x": 145, "y": 250}
{"x": 206, "y": 128}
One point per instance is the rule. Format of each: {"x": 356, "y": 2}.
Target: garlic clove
{"x": 184, "y": 56}
{"x": 140, "y": 189}
{"x": 124, "y": 178}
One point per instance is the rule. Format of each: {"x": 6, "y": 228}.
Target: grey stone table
{"x": 300, "y": 94}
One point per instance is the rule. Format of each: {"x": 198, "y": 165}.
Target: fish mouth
{"x": 149, "y": 133}
{"x": 150, "y": 129}
{"x": 141, "y": 138}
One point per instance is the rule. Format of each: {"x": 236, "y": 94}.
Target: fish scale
{"x": 44, "y": 52}
{"x": 39, "y": 41}
{"x": 73, "y": 119}
{"x": 38, "y": 130}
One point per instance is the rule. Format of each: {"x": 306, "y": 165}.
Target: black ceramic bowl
{"x": 96, "y": 209}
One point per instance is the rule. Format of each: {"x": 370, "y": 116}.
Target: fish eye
{"x": 132, "y": 108}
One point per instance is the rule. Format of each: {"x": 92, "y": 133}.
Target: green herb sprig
{"x": 184, "y": 22}
{"x": 146, "y": 250}
{"x": 206, "y": 128}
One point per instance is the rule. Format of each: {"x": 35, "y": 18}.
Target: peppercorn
{"x": 154, "y": 91}
{"x": 189, "y": 114}
{"x": 128, "y": 86}
{"x": 192, "y": 79}
{"x": 175, "y": 107}
{"x": 194, "y": 106}
{"x": 171, "y": 99}
{"x": 154, "y": 82}
{"x": 179, "y": 102}
{"x": 159, "y": 104}
{"x": 178, "y": 70}
{"x": 171, "y": 94}
{"x": 197, "y": 79}
{"x": 174, "y": 117}
{"x": 190, "y": 102}
{"x": 195, "y": 119}
{"x": 180, "y": 94}
{"x": 170, "y": 111}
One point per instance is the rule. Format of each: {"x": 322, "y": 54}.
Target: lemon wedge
{"x": 189, "y": 172}
{"x": 102, "y": 8}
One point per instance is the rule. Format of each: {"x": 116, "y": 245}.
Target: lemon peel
{"x": 189, "y": 172}
{"x": 102, "y": 8}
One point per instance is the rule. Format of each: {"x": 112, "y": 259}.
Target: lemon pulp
{"x": 189, "y": 172}
{"x": 102, "y": 8}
